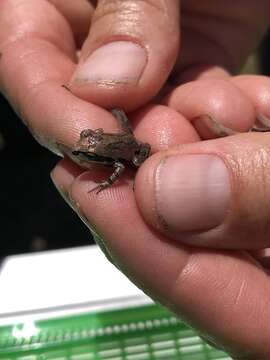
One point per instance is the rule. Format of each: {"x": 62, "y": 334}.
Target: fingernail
{"x": 210, "y": 128}
{"x": 119, "y": 62}
{"x": 192, "y": 192}
{"x": 262, "y": 123}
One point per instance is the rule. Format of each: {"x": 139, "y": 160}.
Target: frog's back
{"x": 119, "y": 147}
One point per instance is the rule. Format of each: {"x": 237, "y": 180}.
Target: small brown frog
{"x": 111, "y": 149}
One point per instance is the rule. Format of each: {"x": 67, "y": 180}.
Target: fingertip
{"x": 64, "y": 173}
{"x": 125, "y": 63}
{"x": 162, "y": 127}
{"x": 211, "y": 194}
{"x": 257, "y": 89}
{"x": 217, "y": 98}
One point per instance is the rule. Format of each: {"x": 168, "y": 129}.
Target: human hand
{"x": 192, "y": 282}
{"x": 39, "y": 46}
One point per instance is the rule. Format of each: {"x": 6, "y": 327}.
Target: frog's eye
{"x": 85, "y": 133}
{"x": 96, "y": 136}
{"x": 99, "y": 131}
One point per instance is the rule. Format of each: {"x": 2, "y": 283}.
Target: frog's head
{"x": 88, "y": 140}
{"x": 141, "y": 154}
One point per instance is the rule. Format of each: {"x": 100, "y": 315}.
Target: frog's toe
{"x": 99, "y": 187}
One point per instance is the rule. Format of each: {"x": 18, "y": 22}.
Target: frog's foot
{"x": 101, "y": 186}
{"x": 118, "y": 170}
{"x": 122, "y": 119}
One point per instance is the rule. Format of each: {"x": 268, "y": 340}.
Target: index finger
{"x": 38, "y": 55}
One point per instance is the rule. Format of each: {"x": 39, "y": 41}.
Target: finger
{"x": 162, "y": 127}
{"x": 191, "y": 282}
{"x": 129, "y": 53}
{"x": 215, "y": 98}
{"x": 78, "y": 14}
{"x": 214, "y": 193}
{"x": 198, "y": 72}
{"x": 18, "y": 22}
{"x": 257, "y": 89}
{"x": 222, "y": 35}
{"x": 38, "y": 56}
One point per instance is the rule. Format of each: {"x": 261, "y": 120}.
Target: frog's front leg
{"x": 118, "y": 170}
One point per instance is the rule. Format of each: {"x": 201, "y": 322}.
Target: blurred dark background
{"x": 264, "y": 55}
{"x": 33, "y": 215}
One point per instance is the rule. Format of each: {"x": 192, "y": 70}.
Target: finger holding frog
{"x": 116, "y": 150}
{"x": 54, "y": 115}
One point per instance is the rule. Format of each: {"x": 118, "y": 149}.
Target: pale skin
{"x": 39, "y": 55}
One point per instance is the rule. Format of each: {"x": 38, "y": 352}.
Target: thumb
{"x": 214, "y": 193}
{"x": 129, "y": 53}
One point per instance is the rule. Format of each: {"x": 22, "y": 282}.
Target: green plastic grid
{"x": 146, "y": 332}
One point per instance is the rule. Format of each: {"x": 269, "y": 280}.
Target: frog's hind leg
{"x": 122, "y": 119}
{"x": 118, "y": 170}
{"x": 262, "y": 124}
